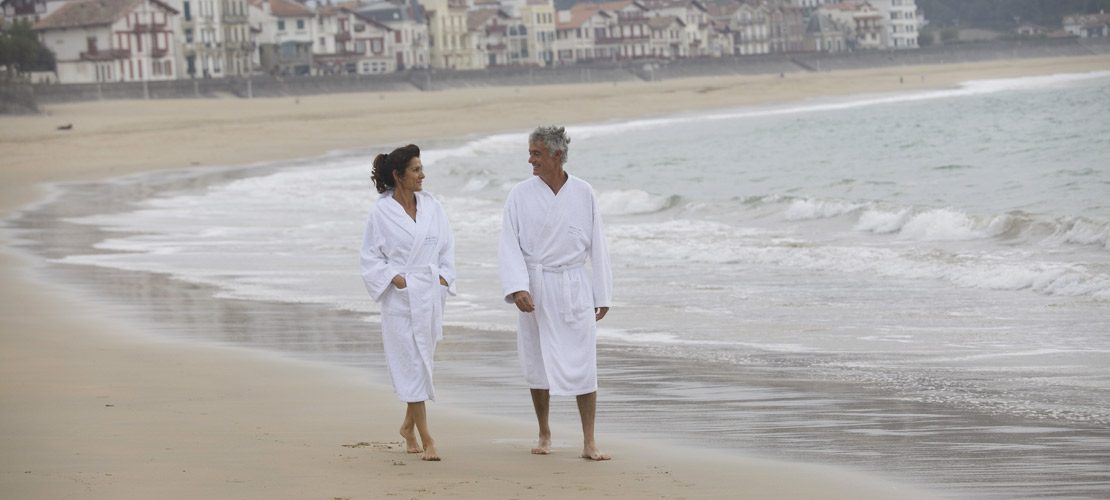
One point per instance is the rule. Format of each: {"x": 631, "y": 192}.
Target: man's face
{"x": 544, "y": 163}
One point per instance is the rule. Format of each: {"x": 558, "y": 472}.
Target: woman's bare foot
{"x": 543, "y": 447}
{"x": 592, "y": 453}
{"x": 411, "y": 445}
{"x": 430, "y": 453}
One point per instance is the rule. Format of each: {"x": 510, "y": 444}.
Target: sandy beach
{"x": 95, "y": 407}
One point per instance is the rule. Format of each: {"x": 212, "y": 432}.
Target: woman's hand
{"x": 399, "y": 282}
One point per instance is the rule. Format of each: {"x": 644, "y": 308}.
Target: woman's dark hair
{"x": 386, "y": 164}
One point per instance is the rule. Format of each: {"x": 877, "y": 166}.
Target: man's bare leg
{"x": 407, "y": 430}
{"x": 587, "y": 407}
{"x": 420, "y": 418}
{"x": 541, "y": 401}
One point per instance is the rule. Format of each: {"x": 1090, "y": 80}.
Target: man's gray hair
{"x": 553, "y": 138}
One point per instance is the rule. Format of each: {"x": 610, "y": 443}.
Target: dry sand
{"x": 94, "y": 408}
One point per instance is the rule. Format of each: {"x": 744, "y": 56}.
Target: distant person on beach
{"x": 408, "y": 265}
{"x": 551, "y": 228}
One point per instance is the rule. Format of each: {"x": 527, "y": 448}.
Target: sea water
{"x": 916, "y": 283}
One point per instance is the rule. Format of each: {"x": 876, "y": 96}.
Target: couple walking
{"x": 551, "y": 228}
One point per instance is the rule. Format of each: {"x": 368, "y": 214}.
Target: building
{"x": 863, "y": 22}
{"x": 1088, "y": 25}
{"x": 363, "y": 45}
{"x": 630, "y": 36}
{"x": 29, "y": 11}
{"x": 697, "y": 29}
{"x": 577, "y": 30}
{"x": 787, "y": 28}
{"x": 449, "y": 42}
{"x": 214, "y": 38}
{"x": 409, "y": 23}
{"x": 900, "y": 23}
{"x": 669, "y": 39}
{"x": 112, "y": 40}
{"x": 284, "y": 32}
{"x": 747, "y": 26}
{"x": 537, "y": 17}
{"x": 825, "y": 35}
{"x": 489, "y": 34}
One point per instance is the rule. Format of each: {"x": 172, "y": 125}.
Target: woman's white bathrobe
{"x": 546, "y": 240}
{"x": 412, "y": 318}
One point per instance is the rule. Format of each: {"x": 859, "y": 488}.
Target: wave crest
{"x": 633, "y": 202}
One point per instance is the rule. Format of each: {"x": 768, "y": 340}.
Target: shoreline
{"x": 236, "y": 419}
{"x": 137, "y": 422}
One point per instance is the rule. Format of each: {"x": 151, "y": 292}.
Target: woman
{"x": 408, "y": 265}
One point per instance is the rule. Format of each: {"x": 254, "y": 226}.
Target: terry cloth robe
{"x": 412, "y": 318}
{"x": 546, "y": 240}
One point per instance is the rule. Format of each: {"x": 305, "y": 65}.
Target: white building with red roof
{"x": 112, "y": 41}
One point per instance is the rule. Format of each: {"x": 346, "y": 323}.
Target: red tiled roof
{"x": 578, "y": 15}
{"x": 285, "y": 8}
{"x": 77, "y": 13}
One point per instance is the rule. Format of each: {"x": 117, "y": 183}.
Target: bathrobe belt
{"x": 539, "y": 269}
{"x": 424, "y": 306}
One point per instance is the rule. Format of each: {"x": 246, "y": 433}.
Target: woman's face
{"x": 413, "y": 179}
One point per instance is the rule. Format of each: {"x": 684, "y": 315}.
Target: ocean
{"x": 914, "y": 284}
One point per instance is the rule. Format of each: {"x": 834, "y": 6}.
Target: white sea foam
{"x": 632, "y": 201}
{"x": 940, "y": 225}
{"x": 819, "y": 209}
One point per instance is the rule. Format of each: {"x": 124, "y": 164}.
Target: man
{"x": 551, "y": 227}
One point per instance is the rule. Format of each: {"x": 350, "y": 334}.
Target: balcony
{"x": 105, "y": 55}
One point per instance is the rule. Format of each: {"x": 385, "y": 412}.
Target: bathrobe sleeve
{"x": 377, "y": 272}
{"x": 446, "y": 251}
{"x": 599, "y": 260}
{"x": 510, "y": 257}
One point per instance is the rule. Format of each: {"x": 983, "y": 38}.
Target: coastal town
{"x": 150, "y": 40}
{"x": 102, "y": 41}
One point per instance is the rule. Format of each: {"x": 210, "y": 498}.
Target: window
{"x": 281, "y": 25}
{"x": 189, "y": 35}
{"x": 376, "y": 46}
{"x": 90, "y": 44}
{"x": 300, "y": 24}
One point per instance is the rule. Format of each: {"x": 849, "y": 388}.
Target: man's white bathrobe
{"x": 546, "y": 241}
{"x": 412, "y": 318}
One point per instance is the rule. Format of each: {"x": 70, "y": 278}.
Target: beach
{"x": 98, "y": 407}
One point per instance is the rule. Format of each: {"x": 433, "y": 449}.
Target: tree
{"x": 1001, "y": 14}
{"x": 949, "y": 35}
{"x": 925, "y": 38}
{"x": 21, "y": 51}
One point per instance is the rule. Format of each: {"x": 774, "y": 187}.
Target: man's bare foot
{"x": 411, "y": 445}
{"x": 592, "y": 453}
{"x": 543, "y": 447}
{"x": 430, "y": 453}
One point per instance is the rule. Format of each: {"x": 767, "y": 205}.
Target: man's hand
{"x": 600, "y": 313}
{"x": 399, "y": 282}
{"x": 523, "y": 301}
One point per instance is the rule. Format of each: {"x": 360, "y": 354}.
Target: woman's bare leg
{"x": 420, "y": 418}
{"x": 408, "y": 431}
